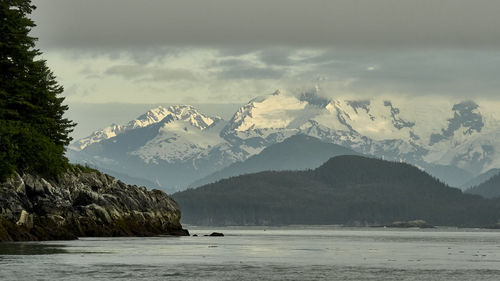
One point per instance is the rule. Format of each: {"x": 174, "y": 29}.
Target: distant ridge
{"x": 488, "y": 189}
{"x": 349, "y": 190}
{"x": 298, "y": 152}
{"x": 480, "y": 179}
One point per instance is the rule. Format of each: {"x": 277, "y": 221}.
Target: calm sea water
{"x": 291, "y": 253}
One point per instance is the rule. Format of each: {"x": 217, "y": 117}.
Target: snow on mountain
{"x": 275, "y": 111}
{"x": 378, "y": 120}
{"x": 352, "y": 123}
{"x": 97, "y": 136}
{"x": 191, "y": 144}
{"x": 180, "y": 140}
{"x": 443, "y": 133}
{"x": 466, "y": 139}
{"x": 155, "y": 115}
{"x": 167, "y": 145}
{"x": 477, "y": 155}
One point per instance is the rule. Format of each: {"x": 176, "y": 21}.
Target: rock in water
{"x": 81, "y": 203}
{"x": 409, "y": 224}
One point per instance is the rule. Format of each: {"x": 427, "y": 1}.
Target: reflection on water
{"x": 30, "y": 248}
{"x": 292, "y": 253}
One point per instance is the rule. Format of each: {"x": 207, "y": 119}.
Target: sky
{"x": 230, "y": 51}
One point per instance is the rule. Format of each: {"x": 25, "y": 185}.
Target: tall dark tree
{"x": 33, "y": 130}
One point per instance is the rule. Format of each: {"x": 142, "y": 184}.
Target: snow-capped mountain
{"x": 187, "y": 114}
{"x": 169, "y": 146}
{"x": 458, "y": 134}
{"x": 178, "y": 145}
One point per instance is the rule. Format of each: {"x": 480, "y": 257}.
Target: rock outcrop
{"x": 83, "y": 203}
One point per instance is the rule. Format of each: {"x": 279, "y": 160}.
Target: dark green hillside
{"x": 488, "y": 189}
{"x": 298, "y": 152}
{"x": 348, "y": 190}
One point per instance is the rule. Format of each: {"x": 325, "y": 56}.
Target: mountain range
{"x": 178, "y": 146}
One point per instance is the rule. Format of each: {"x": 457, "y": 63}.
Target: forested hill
{"x": 349, "y": 190}
{"x": 298, "y": 152}
{"x": 488, "y": 189}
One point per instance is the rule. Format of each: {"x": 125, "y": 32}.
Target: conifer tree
{"x": 33, "y": 130}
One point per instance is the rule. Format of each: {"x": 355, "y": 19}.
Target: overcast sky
{"x": 229, "y": 51}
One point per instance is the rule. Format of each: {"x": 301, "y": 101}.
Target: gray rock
{"x": 83, "y": 204}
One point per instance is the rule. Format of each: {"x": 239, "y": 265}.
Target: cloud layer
{"x": 377, "y": 24}
{"x": 229, "y": 51}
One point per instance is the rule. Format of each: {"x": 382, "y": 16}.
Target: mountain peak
{"x": 272, "y": 111}
{"x": 153, "y": 116}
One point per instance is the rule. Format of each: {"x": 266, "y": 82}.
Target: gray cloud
{"x": 76, "y": 90}
{"x": 242, "y": 69}
{"x": 143, "y": 73}
{"x": 448, "y": 73}
{"x": 276, "y": 56}
{"x": 456, "y": 74}
{"x": 380, "y": 24}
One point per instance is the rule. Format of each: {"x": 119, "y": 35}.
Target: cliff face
{"x": 80, "y": 204}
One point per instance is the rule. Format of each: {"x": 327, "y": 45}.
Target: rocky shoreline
{"x": 83, "y": 203}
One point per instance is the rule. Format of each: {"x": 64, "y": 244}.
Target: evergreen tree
{"x": 33, "y": 130}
